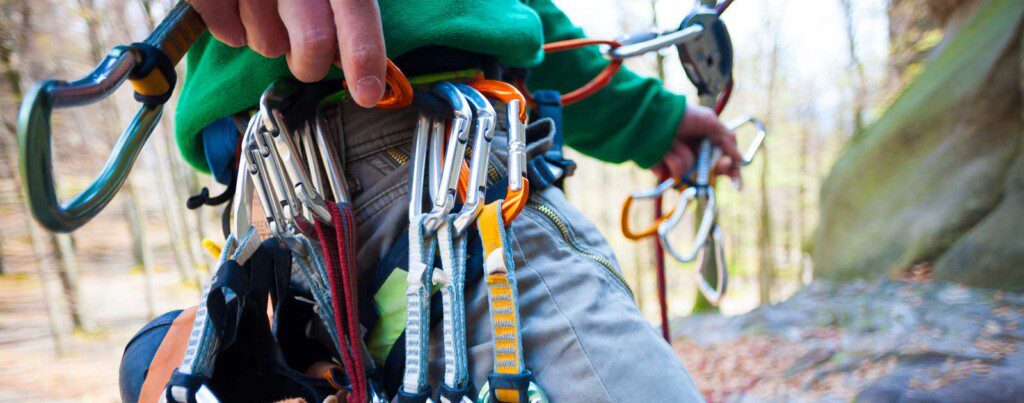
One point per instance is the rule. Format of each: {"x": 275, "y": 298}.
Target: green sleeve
{"x": 633, "y": 118}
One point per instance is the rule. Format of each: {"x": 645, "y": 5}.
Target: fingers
{"x": 726, "y": 140}
{"x": 222, "y": 18}
{"x": 264, "y": 31}
{"x": 311, "y": 37}
{"x": 361, "y": 44}
{"x": 678, "y": 160}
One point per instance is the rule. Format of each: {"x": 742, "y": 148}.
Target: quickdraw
{"x": 149, "y": 66}
{"x": 510, "y": 381}
{"x": 423, "y": 228}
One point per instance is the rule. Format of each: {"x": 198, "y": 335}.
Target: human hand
{"x": 699, "y": 122}
{"x": 313, "y": 34}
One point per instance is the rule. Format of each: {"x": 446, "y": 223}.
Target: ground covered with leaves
{"x": 883, "y": 341}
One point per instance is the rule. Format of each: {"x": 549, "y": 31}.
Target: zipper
{"x": 570, "y": 239}
{"x": 397, "y": 155}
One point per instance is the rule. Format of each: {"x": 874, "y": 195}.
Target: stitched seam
{"x": 379, "y": 143}
{"x": 373, "y": 207}
{"x": 572, "y": 326}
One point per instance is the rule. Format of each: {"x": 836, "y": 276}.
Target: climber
{"x": 583, "y": 336}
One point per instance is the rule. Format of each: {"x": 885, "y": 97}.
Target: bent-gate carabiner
{"x": 149, "y": 66}
{"x": 458, "y": 138}
{"x": 483, "y": 124}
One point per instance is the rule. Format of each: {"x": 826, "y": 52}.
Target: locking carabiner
{"x": 516, "y": 113}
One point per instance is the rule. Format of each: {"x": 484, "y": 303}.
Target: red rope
{"x": 659, "y": 263}
{"x": 339, "y": 246}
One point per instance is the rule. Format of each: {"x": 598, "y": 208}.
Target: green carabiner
{"x": 149, "y": 66}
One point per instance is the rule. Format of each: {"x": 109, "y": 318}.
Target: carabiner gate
{"x": 458, "y": 137}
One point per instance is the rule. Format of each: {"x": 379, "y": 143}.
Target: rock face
{"x": 939, "y": 179}
{"x": 874, "y": 342}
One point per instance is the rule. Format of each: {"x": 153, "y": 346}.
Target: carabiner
{"x": 458, "y": 138}
{"x": 331, "y": 163}
{"x": 418, "y": 165}
{"x": 714, "y": 293}
{"x": 756, "y": 143}
{"x": 627, "y": 206}
{"x": 518, "y": 185}
{"x": 149, "y": 66}
{"x": 686, "y": 198}
{"x": 483, "y": 124}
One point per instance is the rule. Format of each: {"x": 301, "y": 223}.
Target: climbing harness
{"x": 287, "y": 162}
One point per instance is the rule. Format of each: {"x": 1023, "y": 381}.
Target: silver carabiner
{"x": 298, "y": 176}
{"x": 686, "y": 198}
{"x": 458, "y": 137}
{"x": 756, "y": 143}
{"x": 483, "y": 123}
{"x": 258, "y": 172}
{"x": 331, "y": 163}
{"x": 714, "y": 293}
{"x": 418, "y": 166}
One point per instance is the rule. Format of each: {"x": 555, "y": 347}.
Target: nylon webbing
{"x": 417, "y": 334}
{"x": 314, "y": 271}
{"x": 203, "y": 341}
{"x": 452, "y": 277}
{"x": 499, "y": 267}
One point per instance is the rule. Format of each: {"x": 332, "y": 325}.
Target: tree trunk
{"x": 140, "y": 246}
{"x": 860, "y": 78}
{"x": 801, "y": 200}
{"x": 766, "y": 259}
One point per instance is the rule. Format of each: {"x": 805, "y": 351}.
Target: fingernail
{"x": 737, "y": 183}
{"x": 369, "y": 91}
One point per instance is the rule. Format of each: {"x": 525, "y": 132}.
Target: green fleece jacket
{"x": 633, "y": 119}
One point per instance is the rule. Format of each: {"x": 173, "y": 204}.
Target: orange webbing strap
{"x": 168, "y": 357}
{"x": 596, "y": 84}
{"x": 501, "y": 293}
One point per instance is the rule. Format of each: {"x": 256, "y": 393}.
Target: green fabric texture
{"x": 633, "y": 119}
{"x": 390, "y": 302}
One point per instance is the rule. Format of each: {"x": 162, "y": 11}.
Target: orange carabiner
{"x": 627, "y": 230}
{"x": 398, "y": 93}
